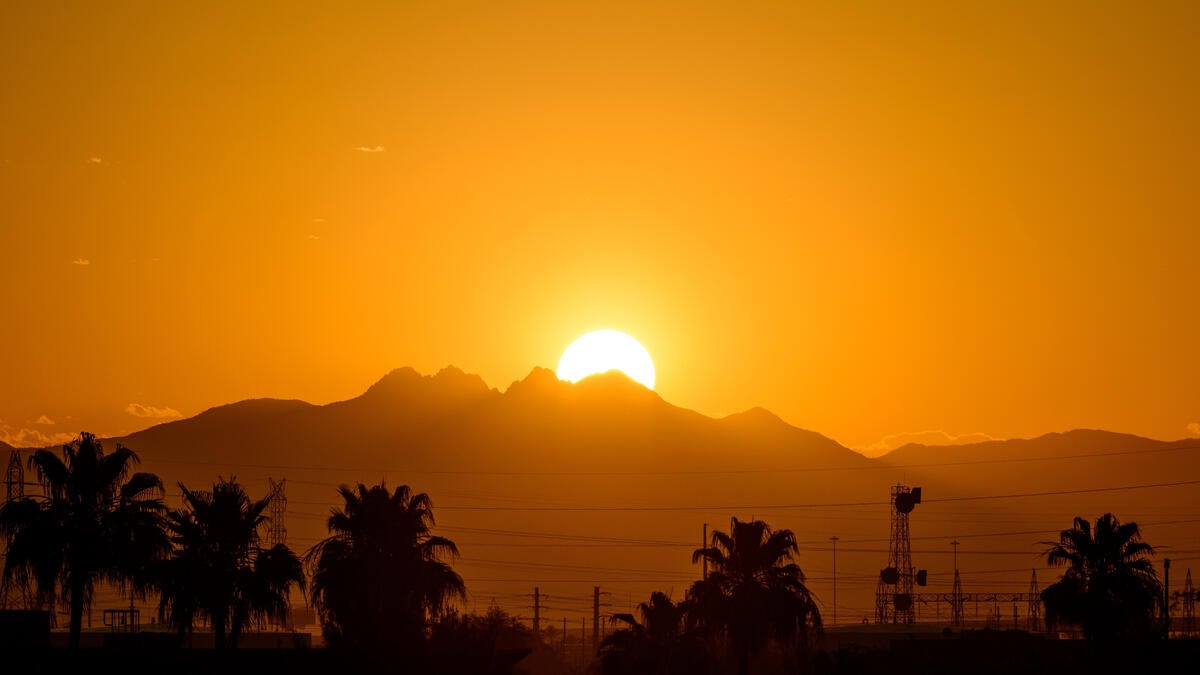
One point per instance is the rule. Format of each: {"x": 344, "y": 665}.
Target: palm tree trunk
{"x": 218, "y": 622}
{"x": 76, "y": 625}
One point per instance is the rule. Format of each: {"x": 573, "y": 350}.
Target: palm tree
{"x": 218, "y": 570}
{"x": 1110, "y": 587}
{"x": 657, "y": 645}
{"x": 754, "y": 591}
{"x": 96, "y": 522}
{"x": 379, "y": 579}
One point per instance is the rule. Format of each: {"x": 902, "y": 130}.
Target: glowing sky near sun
{"x": 877, "y": 220}
{"x": 603, "y": 350}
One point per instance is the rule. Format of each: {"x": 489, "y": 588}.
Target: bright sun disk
{"x": 603, "y": 350}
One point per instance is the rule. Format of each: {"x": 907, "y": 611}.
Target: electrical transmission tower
{"x": 14, "y": 477}
{"x": 1035, "y": 604}
{"x": 276, "y": 526}
{"x": 956, "y": 592}
{"x": 14, "y": 591}
{"x": 1189, "y": 605}
{"x": 277, "y": 529}
{"x": 894, "y": 601}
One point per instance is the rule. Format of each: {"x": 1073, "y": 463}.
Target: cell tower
{"x": 1035, "y": 604}
{"x": 276, "y": 526}
{"x": 894, "y": 602}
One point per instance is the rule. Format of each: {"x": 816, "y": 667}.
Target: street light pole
{"x": 834, "y": 539}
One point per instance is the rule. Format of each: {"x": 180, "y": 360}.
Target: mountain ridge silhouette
{"x": 620, "y": 461}
{"x": 452, "y": 385}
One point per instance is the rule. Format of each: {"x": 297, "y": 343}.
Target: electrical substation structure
{"x": 897, "y": 601}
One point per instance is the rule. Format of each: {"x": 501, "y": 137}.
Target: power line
{"x": 566, "y": 538}
{"x": 677, "y": 472}
{"x": 516, "y": 563}
{"x": 763, "y": 507}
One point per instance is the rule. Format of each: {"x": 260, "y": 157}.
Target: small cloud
{"x": 318, "y": 220}
{"x": 81, "y": 261}
{"x": 44, "y": 420}
{"x": 32, "y": 438}
{"x": 314, "y": 236}
{"x": 364, "y": 148}
{"x": 95, "y": 160}
{"x": 139, "y": 410}
{"x": 1194, "y": 428}
{"x": 933, "y": 437}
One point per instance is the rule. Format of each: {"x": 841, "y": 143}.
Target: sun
{"x": 603, "y": 350}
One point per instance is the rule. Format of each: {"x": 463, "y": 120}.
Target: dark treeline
{"x": 385, "y": 589}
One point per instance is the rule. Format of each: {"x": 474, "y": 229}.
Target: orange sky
{"x": 980, "y": 218}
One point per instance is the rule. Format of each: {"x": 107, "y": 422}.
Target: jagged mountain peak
{"x": 406, "y": 382}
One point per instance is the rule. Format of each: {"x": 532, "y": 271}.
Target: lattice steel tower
{"x": 14, "y": 590}
{"x": 1035, "y": 604}
{"x": 277, "y": 526}
{"x": 14, "y": 478}
{"x": 894, "y": 591}
{"x": 1189, "y": 605}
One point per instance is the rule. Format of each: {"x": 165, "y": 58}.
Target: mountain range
{"x": 557, "y": 483}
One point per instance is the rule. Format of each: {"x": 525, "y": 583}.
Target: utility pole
{"x": 595, "y": 617}
{"x": 537, "y": 611}
{"x": 1166, "y": 597}
{"x": 704, "y": 561}
{"x": 834, "y": 539}
{"x": 564, "y": 639}
{"x": 596, "y": 605}
{"x": 582, "y": 641}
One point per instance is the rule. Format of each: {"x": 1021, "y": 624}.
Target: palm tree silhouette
{"x": 378, "y": 579}
{"x": 1109, "y": 588}
{"x": 218, "y": 570}
{"x": 96, "y": 522}
{"x": 753, "y": 591}
{"x": 657, "y": 645}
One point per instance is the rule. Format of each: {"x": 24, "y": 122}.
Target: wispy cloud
{"x": 139, "y": 410}
{"x": 318, "y": 220}
{"x": 364, "y": 148}
{"x": 33, "y": 438}
{"x": 44, "y": 420}
{"x": 81, "y": 261}
{"x": 314, "y": 237}
{"x": 932, "y": 437}
{"x": 95, "y": 160}
{"x": 1194, "y": 428}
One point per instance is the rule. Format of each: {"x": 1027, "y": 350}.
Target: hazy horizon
{"x": 933, "y": 437}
